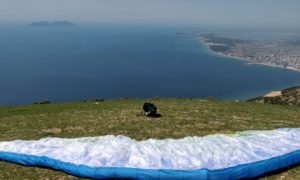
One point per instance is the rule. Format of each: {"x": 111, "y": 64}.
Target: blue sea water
{"x": 84, "y": 62}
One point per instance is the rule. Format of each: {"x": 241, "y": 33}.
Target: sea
{"x": 63, "y": 64}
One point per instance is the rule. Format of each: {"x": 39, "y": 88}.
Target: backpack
{"x": 149, "y": 109}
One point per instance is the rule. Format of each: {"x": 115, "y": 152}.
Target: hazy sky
{"x": 231, "y": 12}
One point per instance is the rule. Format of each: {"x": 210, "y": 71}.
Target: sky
{"x": 222, "y": 12}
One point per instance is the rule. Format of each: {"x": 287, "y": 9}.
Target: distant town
{"x": 278, "y": 53}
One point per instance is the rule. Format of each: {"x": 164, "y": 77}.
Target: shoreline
{"x": 207, "y": 46}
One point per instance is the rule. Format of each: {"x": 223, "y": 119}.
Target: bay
{"x": 62, "y": 64}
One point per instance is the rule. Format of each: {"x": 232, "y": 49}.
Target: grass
{"x": 180, "y": 118}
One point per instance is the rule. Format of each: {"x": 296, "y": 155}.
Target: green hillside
{"x": 180, "y": 118}
{"x": 290, "y": 96}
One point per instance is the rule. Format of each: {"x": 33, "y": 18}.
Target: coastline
{"x": 220, "y": 54}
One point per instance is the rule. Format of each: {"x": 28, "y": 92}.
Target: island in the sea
{"x": 52, "y": 24}
{"x": 277, "y": 53}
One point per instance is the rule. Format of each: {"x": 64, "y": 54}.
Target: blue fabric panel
{"x": 237, "y": 172}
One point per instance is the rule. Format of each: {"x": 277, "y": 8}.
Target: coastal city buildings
{"x": 279, "y": 53}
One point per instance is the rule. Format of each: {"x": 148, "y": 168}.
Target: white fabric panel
{"x": 212, "y": 152}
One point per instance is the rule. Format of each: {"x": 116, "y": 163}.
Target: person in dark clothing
{"x": 150, "y": 110}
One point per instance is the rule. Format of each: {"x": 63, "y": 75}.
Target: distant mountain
{"x": 290, "y": 96}
{"x": 55, "y": 23}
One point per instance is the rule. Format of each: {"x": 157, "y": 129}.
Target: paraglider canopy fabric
{"x": 243, "y": 155}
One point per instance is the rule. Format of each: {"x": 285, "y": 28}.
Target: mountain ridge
{"x": 55, "y": 23}
{"x": 289, "y": 96}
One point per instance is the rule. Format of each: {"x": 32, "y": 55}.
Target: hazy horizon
{"x": 266, "y": 13}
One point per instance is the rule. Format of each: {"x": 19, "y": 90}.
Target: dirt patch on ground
{"x": 52, "y": 130}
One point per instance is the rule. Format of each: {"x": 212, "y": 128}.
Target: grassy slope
{"x": 181, "y": 117}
